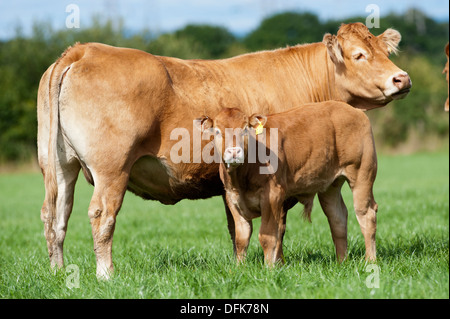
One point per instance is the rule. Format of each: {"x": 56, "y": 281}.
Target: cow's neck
{"x": 316, "y": 78}
{"x": 293, "y": 76}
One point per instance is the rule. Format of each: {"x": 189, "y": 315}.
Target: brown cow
{"x": 111, "y": 112}
{"x": 317, "y": 148}
{"x": 445, "y": 71}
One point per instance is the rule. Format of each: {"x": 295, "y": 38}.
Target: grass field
{"x": 184, "y": 251}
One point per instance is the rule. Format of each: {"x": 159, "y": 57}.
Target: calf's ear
{"x": 391, "y": 38}
{"x": 257, "y": 119}
{"x": 203, "y": 123}
{"x": 333, "y": 47}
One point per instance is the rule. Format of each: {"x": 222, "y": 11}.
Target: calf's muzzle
{"x": 233, "y": 155}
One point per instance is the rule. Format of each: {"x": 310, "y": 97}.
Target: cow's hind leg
{"x": 334, "y": 208}
{"x": 55, "y": 227}
{"x": 106, "y": 201}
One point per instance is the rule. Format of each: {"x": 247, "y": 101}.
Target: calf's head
{"x": 231, "y": 131}
{"x": 365, "y": 77}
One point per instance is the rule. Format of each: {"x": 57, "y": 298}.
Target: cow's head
{"x": 230, "y": 128}
{"x": 446, "y": 72}
{"x": 365, "y": 77}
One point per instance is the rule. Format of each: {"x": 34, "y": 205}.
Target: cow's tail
{"x": 61, "y": 67}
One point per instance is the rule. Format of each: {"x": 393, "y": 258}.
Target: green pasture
{"x": 184, "y": 251}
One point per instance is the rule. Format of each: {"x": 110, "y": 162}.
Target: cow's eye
{"x": 244, "y": 131}
{"x": 359, "y": 56}
{"x": 217, "y": 131}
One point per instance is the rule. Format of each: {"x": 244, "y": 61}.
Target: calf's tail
{"x": 308, "y": 204}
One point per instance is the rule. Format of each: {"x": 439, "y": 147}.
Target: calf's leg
{"x": 273, "y": 225}
{"x": 230, "y": 223}
{"x": 242, "y": 229}
{"x": 334, "y": 208}
{"x": 366, "y": 209}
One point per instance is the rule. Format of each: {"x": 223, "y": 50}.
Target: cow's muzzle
{"x": 399, "y": 85}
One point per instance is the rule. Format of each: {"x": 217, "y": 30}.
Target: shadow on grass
{"x": 416, "y": 246}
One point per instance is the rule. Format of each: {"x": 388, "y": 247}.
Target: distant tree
{"x": 214, "y": 40}
{"x": 170, "y": 45}
{"x": 289, "y": 28}
{"x": 420, "y": 34}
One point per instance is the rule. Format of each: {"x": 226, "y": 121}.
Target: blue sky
{"x": 239, "y": 16}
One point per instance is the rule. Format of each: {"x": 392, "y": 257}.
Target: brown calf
{"x": 316, "y": 148}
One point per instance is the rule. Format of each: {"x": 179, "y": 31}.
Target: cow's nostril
{"x": 402, "y": 81}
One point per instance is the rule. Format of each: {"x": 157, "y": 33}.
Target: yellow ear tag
{"x": 259, "y": 128}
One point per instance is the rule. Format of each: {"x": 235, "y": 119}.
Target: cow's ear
{"x": 257, "y": 119}
{"x": 333, "y": 47}
{"x": 203, "y": 123}
{"x": 391, "y": 38}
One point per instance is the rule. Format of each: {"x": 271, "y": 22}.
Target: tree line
{"x": 23, "y": 60}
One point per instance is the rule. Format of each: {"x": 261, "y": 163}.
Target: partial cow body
{"x": 110, "y": 112}
{"x": 318, "y": 147}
